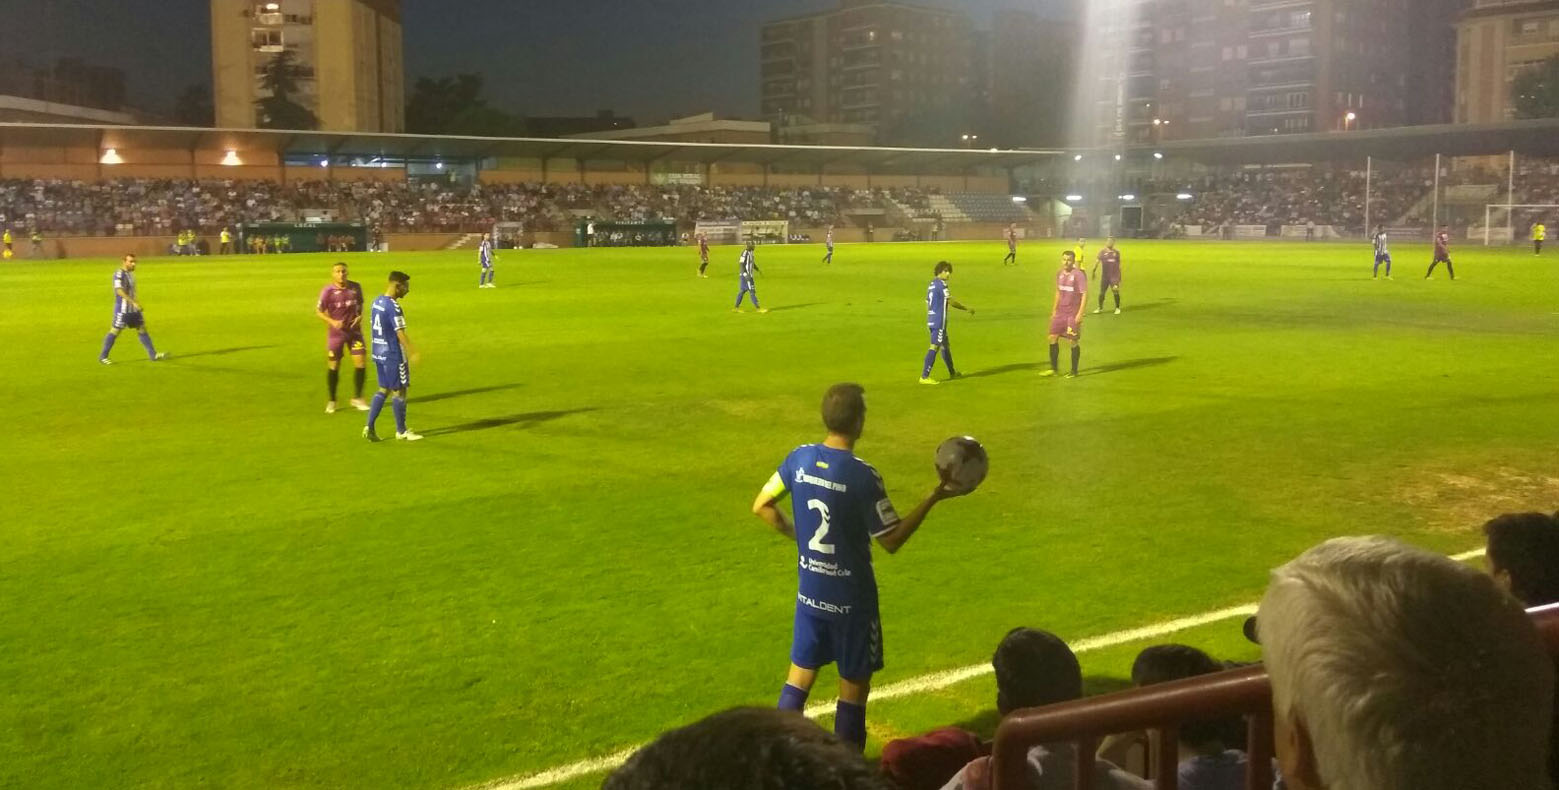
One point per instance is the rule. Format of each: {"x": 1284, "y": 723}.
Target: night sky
{"x": 652, "y": 59}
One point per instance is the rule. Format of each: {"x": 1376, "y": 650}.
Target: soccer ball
{"x": 962, "y": 463}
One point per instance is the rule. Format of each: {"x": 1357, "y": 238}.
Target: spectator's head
{"x": 747, "y": 749}
{"x": 1396, "y": 668}
{"x": 943, "y": 270}
{"x": 1523, "y": 554}
{"x": 1034, "y": 668}
{"x": 1166, "y": 663}
{"x": 844, "y": 410}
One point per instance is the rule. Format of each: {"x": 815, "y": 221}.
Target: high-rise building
{"x": 903, "y": 68}
{"x": 348, "y": 53}
{"x": 1177, "y": 69}
{"x": 1497, "y": 40}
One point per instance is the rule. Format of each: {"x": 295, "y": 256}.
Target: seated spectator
{"x": 1208, "y": 757}
{"x": 1395, "y": 668}
{"x": 747, "y": 749}
{"x": 1523, "y": 555}
{"x": 1035, "y": 668}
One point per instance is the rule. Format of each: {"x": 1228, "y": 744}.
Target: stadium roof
{"x": 409, "y": 146}
{"x": 1533, "y": 138}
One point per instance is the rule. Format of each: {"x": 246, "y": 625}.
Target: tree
{"x": 1535, "y": 91}
{"x": 193, "y": 107}
{"x": 454, "y": 105}
{"x": 280, "y": 78}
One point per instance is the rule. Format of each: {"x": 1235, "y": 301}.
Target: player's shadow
{"x": 219, "y": 352}
{"x": 1116, "y": 367}
{"x": 524, "y": 420}
{"x": 1014, "y": 368}
{"x": 438, "y": 396}
{"x": 1153, "y": 305}
{"x": 794, "y": 307}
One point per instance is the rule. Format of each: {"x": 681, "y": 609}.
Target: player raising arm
{"x": 839, "y": 505}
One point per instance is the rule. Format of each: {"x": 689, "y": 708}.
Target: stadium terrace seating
{"x": 985, "y": 207}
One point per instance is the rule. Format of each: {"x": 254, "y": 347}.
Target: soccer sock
{"x": 1055, "y": 356}
{"x": 358, "y": 375}
{"x": 1101, "y": 297}
{"x": 850, "y": 723}
{"x": 947, "y": 356}
{"x": 925, "y": 370}
{"x": 146, "y": 340}
{"x": 1377, "y": 268}
{"x": 1449, "y": 269}
{"x": 792, "y": 698}
{"x": 492, "y": 276}
{"x": 108, "y": 343}
{"x": 374, "y": 407}
{"x": 1077, "y": 353}
{"x": 1118, "y": 298}
{"x": 398, "y": 405}
{"x": 332, "y": 378}
{"x": 755, "y": 299}
{"x": 1388, "y": 268}
{"x": 740, "y": 297}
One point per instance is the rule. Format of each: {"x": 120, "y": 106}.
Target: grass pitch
{"x": 206, "y": 581}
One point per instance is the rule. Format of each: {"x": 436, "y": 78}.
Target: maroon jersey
{"x": 1012, "y": 239}
{"x": 703, "y": 246}
{"x": 1071, "y": 285}
{"x": 1442, "y": 243}
{"x": 1111, "y": 260}
{"x": 342, "y": 304}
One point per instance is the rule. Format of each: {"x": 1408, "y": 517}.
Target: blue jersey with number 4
{"x": 385, "y": 321}
{"x": 838, "y": 504}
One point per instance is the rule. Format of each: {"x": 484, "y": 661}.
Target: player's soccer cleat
{"x": 1100, "y": 310}
{"x": 360, "y": 404}
{"x": 368, "y": 433}
{"x": 330, "y": 407}
{"x": 763, "y": 309}
{"x": 408, "y": 436}
{"x": 1117, "y": 311}
{"x": 928, "y": 381}
{"x": 161, "y": 355}
{"x": 106, "y": 361}
{"x": 1046, "y": 373}
{"x": 1070, "y": 376}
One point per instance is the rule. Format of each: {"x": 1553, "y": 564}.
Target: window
{"x": 1239, "y": 52}
{"x": 1529, "y": 27}
{"x": 266, "y": 39}
{"x": 1298, "y": 46}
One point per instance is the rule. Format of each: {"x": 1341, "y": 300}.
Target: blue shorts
{"x": 852, "y": 642}
{"x": 133, "y": 320}
{"x": 1384, "y": 257}
{"x": 938, "y": 335}
{"x": 394, "y": 374}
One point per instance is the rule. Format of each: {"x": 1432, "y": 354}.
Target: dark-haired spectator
{"x": 1035, "y": 668}
{"x": 1395, "y": 668}
{"x": 1523, "y": 555}
{"x": 747, "y": 749}
{"x": 1208, "y": 757}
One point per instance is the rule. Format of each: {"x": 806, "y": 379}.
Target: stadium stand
{"x": 984, "y": 207}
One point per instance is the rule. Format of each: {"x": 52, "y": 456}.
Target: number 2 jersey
{"x": 838, "y": 504}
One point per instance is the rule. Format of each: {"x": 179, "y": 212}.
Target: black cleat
{"x": 368, "y": 433}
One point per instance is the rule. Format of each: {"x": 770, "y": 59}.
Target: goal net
{"x": 1508, "y": 223}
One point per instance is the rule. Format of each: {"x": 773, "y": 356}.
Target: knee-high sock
{"x": 374, "y": 407}
{"x": 1077, "y": 352}
{"x": 358, "y": 374}
{"x": 398, "y": 404}
{"x": 1432, "y": 264}
{"x": 1055, "y": 357}
{"x": 492, "y": 276}
{"x": 1101, "y": 297}
{"x": 108, "y": 343}
{"x": 792, "y": 698}
{"x": 1449, "y": 269}
{"x": 151, "y": 350}
{"x": 332, "y": 378}
{"x": 850, "y": 723}
{"x": 1376, "y": 270}
{"x": 925, "y": 370}
{"x": 947, "y": 357}
{"x": 1118, "y": 294}
{"x": 702, "y": 266}
{"x": 754, "y": 293}
{"x": 740, "y": 296}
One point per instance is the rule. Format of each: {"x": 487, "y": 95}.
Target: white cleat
{"x": 106, "y": 361}
{"x": 1100, "y": 310}
{"x": 408, "y": 436}
{"x": 330, "y": 407}
{"x": 161, "y": 355}
{"x": 1117, "y": 311}
{"x": 360, "y": 404}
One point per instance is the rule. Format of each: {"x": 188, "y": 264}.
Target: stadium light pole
{"x": 1348, "y": 120}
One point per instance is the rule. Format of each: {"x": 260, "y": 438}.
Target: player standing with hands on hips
{"x": 839, "y": 505}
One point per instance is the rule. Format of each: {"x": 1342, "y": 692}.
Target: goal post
{"x": 1518, "y": 217}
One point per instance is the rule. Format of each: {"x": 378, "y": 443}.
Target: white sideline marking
{"x": 935, "y": 681}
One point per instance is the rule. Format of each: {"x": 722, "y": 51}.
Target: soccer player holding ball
{"x": 1066, "y": 316}
{"x": 839, "y": 504}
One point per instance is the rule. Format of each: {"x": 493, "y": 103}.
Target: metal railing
{"x": 1159, "y": 709}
